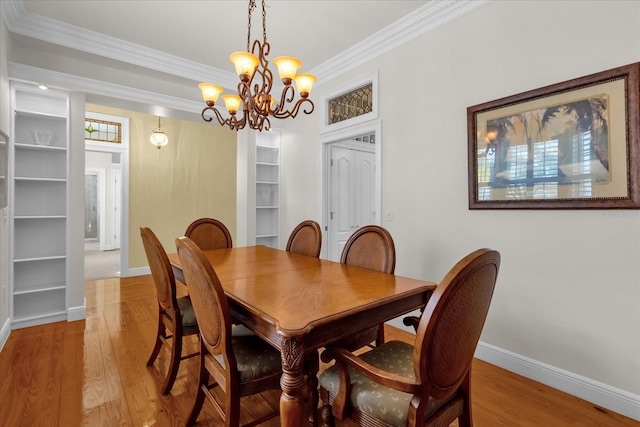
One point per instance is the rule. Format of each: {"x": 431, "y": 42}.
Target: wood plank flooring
{"x": 93, "y": 373}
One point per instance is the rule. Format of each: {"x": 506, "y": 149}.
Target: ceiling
{"x": 189, "y": 41}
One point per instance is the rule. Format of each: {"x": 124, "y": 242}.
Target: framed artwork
{"x": 571, "y": 145}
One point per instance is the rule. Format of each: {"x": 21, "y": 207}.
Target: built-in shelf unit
{"x": 39, "y": 205}
{"x": 267, "y": 188}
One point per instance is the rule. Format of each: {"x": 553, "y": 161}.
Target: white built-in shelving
{"x": 39, "y": 195}
{"x": 267, "y": 188}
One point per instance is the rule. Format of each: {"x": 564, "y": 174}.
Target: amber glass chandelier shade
{"x": 232, "y": 103}
{"x": 304, "y": 83}
{"x": 287, "y": 68}
{"x": 245, "y": 63}
{"x": 210, "y": 92}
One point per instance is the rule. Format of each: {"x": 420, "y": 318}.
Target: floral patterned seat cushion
{"x": 186, "y": 311}
{"x": 255, "y": 358}
{"x": 380, "y": 402}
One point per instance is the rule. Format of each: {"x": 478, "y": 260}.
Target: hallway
{"x": 101, "y": 264}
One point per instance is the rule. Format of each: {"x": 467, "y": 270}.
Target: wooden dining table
{"x": 299, "y": 304}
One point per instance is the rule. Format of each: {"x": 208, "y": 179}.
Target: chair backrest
{"x": 306, "y": 239}
{"x": 209, "y": 233}
{"x": 370, "y": 247}
{"x": 209, "y": 301}
{"x": 450, "y": 326}
{"x": 161, "y": 271}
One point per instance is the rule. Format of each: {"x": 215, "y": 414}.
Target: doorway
{"x": 106, "y": 166}
{"x": 351, "y": 184}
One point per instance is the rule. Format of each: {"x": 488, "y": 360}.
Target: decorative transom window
{"x": 351, "y": 104}
{"x": 102, "y": 131}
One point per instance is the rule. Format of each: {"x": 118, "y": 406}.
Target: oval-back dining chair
{"x": 369, "y": 247}
{"x": 306, "y": 239}
{"x": 174, "y": 314}
{"x": 427, "y": 383}
{"x": 231, "y": 366}
{"x": 209, "y": 233}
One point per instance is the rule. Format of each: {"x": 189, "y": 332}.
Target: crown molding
{"x": 423, "y": 20}
{"x": 27, "y": 73}
{"x": 20, "y": 21}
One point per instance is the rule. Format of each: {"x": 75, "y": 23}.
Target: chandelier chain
{"x": 264, "y": 22}
{"x": 252, "y": 5}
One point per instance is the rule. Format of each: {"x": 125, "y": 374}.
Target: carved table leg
{"x": 292, "y": 381}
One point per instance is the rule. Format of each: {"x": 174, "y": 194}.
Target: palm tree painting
{"x": 536, "y": 150}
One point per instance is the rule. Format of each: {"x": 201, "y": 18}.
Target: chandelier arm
{"x": 294, "y": 111}
{"x": 216, "y": 113}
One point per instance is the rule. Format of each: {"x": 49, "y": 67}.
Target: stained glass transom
{"x": 103, "y": 131}
{"x": 352, "y": 104}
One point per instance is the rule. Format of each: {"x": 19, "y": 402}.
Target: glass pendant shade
{"x": 245, "y": 63}
{"x": 287, "y": 68}
{"x": 304, "y": 83}
{"x": 232, "y": 103}
{"x": 158, "y": 138}
{"x": 210, "y": 92}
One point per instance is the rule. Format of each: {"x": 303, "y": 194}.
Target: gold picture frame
{"x": 571, "y": 145}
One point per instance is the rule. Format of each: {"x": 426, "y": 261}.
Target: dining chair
{"x": 231, "y": 366}
{"x": 427, "y": 383}
{"x": 176, "y": 318}
{"x": 306, "y": 239}
{"x": 209, "y": 233}
{"x": 369, "y": 247}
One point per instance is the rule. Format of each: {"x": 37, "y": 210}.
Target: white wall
{"x": 568, "y": 293}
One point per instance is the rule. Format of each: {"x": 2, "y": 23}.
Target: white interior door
{"x": 352, "y": 195}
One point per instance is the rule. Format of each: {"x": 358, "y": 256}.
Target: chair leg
{"x": 327, "y": 416}
{"x": 176, "y": 355}
{"x": 313, "y": 366}
{"x": 465, "y": 419}
{"x": 158, "y": 345}
{"x": 203, "y": 378}
{"x": 380, "y": 339}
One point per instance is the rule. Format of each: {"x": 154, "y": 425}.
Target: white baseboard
{"x": 4, "y": 333}
{"x": 614, "y": 399}
{"x": 77, "y": 313}
{"x": 132, "y": 272}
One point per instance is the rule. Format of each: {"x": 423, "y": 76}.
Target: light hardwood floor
{"x": 93, "y": 373}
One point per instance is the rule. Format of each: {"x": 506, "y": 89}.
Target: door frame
{"x": 123, "y": 150}
{"x": 340, "y": 135}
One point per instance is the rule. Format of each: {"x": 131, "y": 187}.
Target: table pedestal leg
{"x": 292, "y": 381}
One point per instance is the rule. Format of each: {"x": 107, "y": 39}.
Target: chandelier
{"x": 256, "y": 82}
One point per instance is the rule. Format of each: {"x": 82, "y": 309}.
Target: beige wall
{"x": 568, "y": 294}
{"x": 193, "y": 176}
